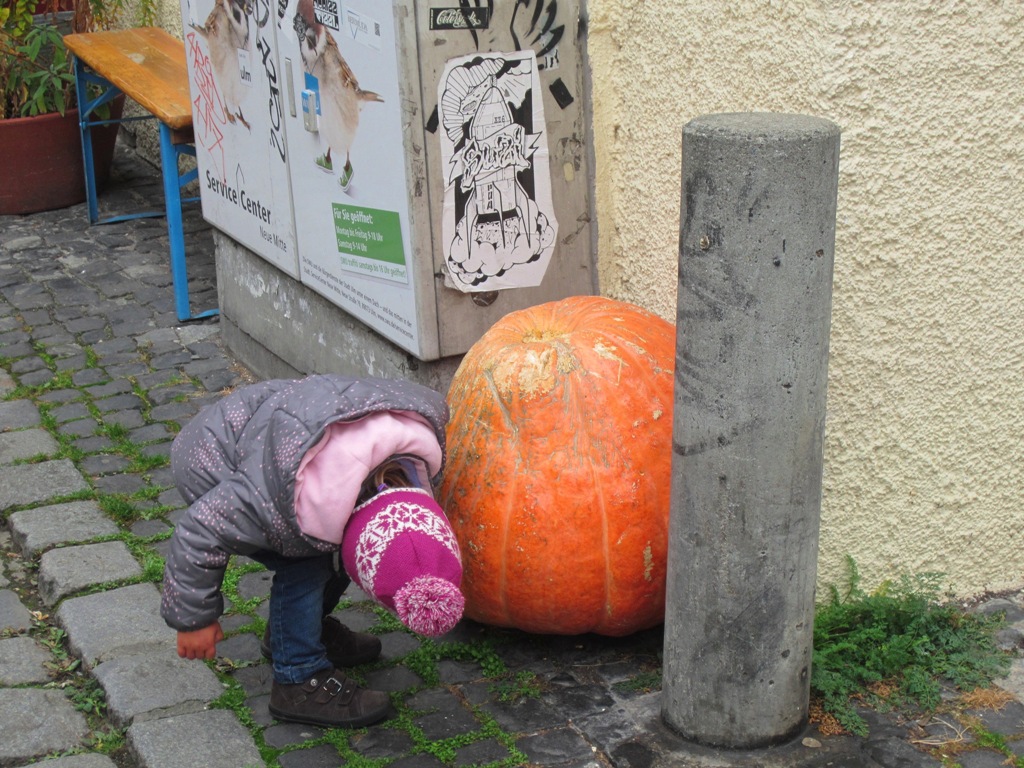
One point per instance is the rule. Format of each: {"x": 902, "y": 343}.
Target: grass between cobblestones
{"x": 423, "y": 661}
{"x": 126, "y": 509}
{"x": 895, "y": 647}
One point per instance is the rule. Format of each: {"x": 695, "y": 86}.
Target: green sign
{"x": 370, "y": 241}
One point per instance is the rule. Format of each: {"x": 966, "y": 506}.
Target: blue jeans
{"x": 304, "y": 591}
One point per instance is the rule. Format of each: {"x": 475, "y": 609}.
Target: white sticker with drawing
{"x": 499, "y": 226}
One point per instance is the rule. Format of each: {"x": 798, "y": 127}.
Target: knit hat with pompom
{"x": 401, "y": 551}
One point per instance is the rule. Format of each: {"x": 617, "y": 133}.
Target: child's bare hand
{"x": 201, "y": 643}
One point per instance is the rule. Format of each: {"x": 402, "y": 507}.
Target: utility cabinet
{"x": 421, "y": 164}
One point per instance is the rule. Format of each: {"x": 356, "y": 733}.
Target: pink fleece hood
{"x": 332, "y": 471}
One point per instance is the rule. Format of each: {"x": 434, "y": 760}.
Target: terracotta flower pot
{"x": 41, "y": 160}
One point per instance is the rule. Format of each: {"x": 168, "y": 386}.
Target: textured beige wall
{"x": 924, "y": 466}
{"x": 170, "y": 16}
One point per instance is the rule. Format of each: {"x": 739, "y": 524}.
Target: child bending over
{"x": 299, "y": 475}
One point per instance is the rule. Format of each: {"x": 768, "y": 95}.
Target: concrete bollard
{"x": 756, "y": 247}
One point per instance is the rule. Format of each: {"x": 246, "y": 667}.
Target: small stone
{"x": 13, "y": 615}
{"x": 24, "y": 243}
{"x": 21, "y": 662}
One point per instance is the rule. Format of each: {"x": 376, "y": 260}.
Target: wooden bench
{"x": 147, "y": 65}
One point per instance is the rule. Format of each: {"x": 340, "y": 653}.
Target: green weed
{"x": 140, "y": 461}
{"x": 423, "y": 661}
{"x": 118, "y": 507}
{"x": 229, "y": 587}
{"x": 902, "y": 634}
{"x": 521, "y": 685}
{"x": 151, "y": 561}
{"x": 644, "y": 682}
{"x": 386, "y": 622}
{"x": 118, "y": 433}
{"x": 92, "y": 360}
{"x": 88, "y": 698}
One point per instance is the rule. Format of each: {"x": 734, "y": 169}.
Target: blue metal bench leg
{"x": 173, "y": 181}
{"x": 84, "y": 78}
{"x": 83, "y": 126}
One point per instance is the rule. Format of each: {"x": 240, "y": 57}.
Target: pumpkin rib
{"x": 601, "y": 622}
{"x": 612, "y": 347}
{"x": 505, "y": 610}
{"x": 606, "y": 544}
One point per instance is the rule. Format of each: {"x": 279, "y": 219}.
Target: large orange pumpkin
{"x": 559, "y": 465}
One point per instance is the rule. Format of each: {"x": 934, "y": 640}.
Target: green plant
{"x": 34, "y": 66}
{"x": 901, "y": 634}
{"x": 120, "y": 435}
{"x": 423, "y": 661}
{"x": 152, "y": 562}
{"x": 118, "y": 508}
{"x": 644, "y": 682}
{"x": 386, "y": 621}
{"x": 229, "y": 586}
{"x": 36, "y": 75}
{"x": 92, "y": 360}
{"x": 521, "y": 685}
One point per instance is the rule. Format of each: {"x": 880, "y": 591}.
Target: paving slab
{"x": 1008, "y": 719}
{"x": 13, "y": 615}
{"x": 26, "y": 443}
{"x": 212, "y": 739}
{"x": 149, "y": 685}
{"x": 392, "y": 679}
{"x": 32, "y": 483}
{"x": 15, "y": 414}
{"x": 37, "y": 529}
{"x": 254, "y": 680}
{"x": 282, "y": 735}
{"x": 481, "y": 753}
{"x": 556, "y": 744}
{"x": 37, "y": 721}
{"x": 22, "y": 660}
{"x": 982, "y": 759}
{"x": 67, "y": 570}
{"x": 377, "y": 744}
{"x": 243, "y": 647}
{"x": 78, "y": 761}
{"x": 146, "y": 528}
{"x": 323, "y": 756}
{"x": 118, "y": 622}
{"x": 608, "y": 727}
{"x": 7, "y": 384}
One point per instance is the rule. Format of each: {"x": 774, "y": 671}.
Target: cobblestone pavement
{"x": 98, "y": 375}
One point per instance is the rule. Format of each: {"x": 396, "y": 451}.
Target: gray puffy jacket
{"x": 235, "y": 464}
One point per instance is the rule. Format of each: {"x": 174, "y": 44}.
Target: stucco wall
{"x": 924, "y": 466}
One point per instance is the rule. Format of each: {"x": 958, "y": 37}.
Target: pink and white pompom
{"x": 400, "y": 549}
{"x": 429, "y": 605}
